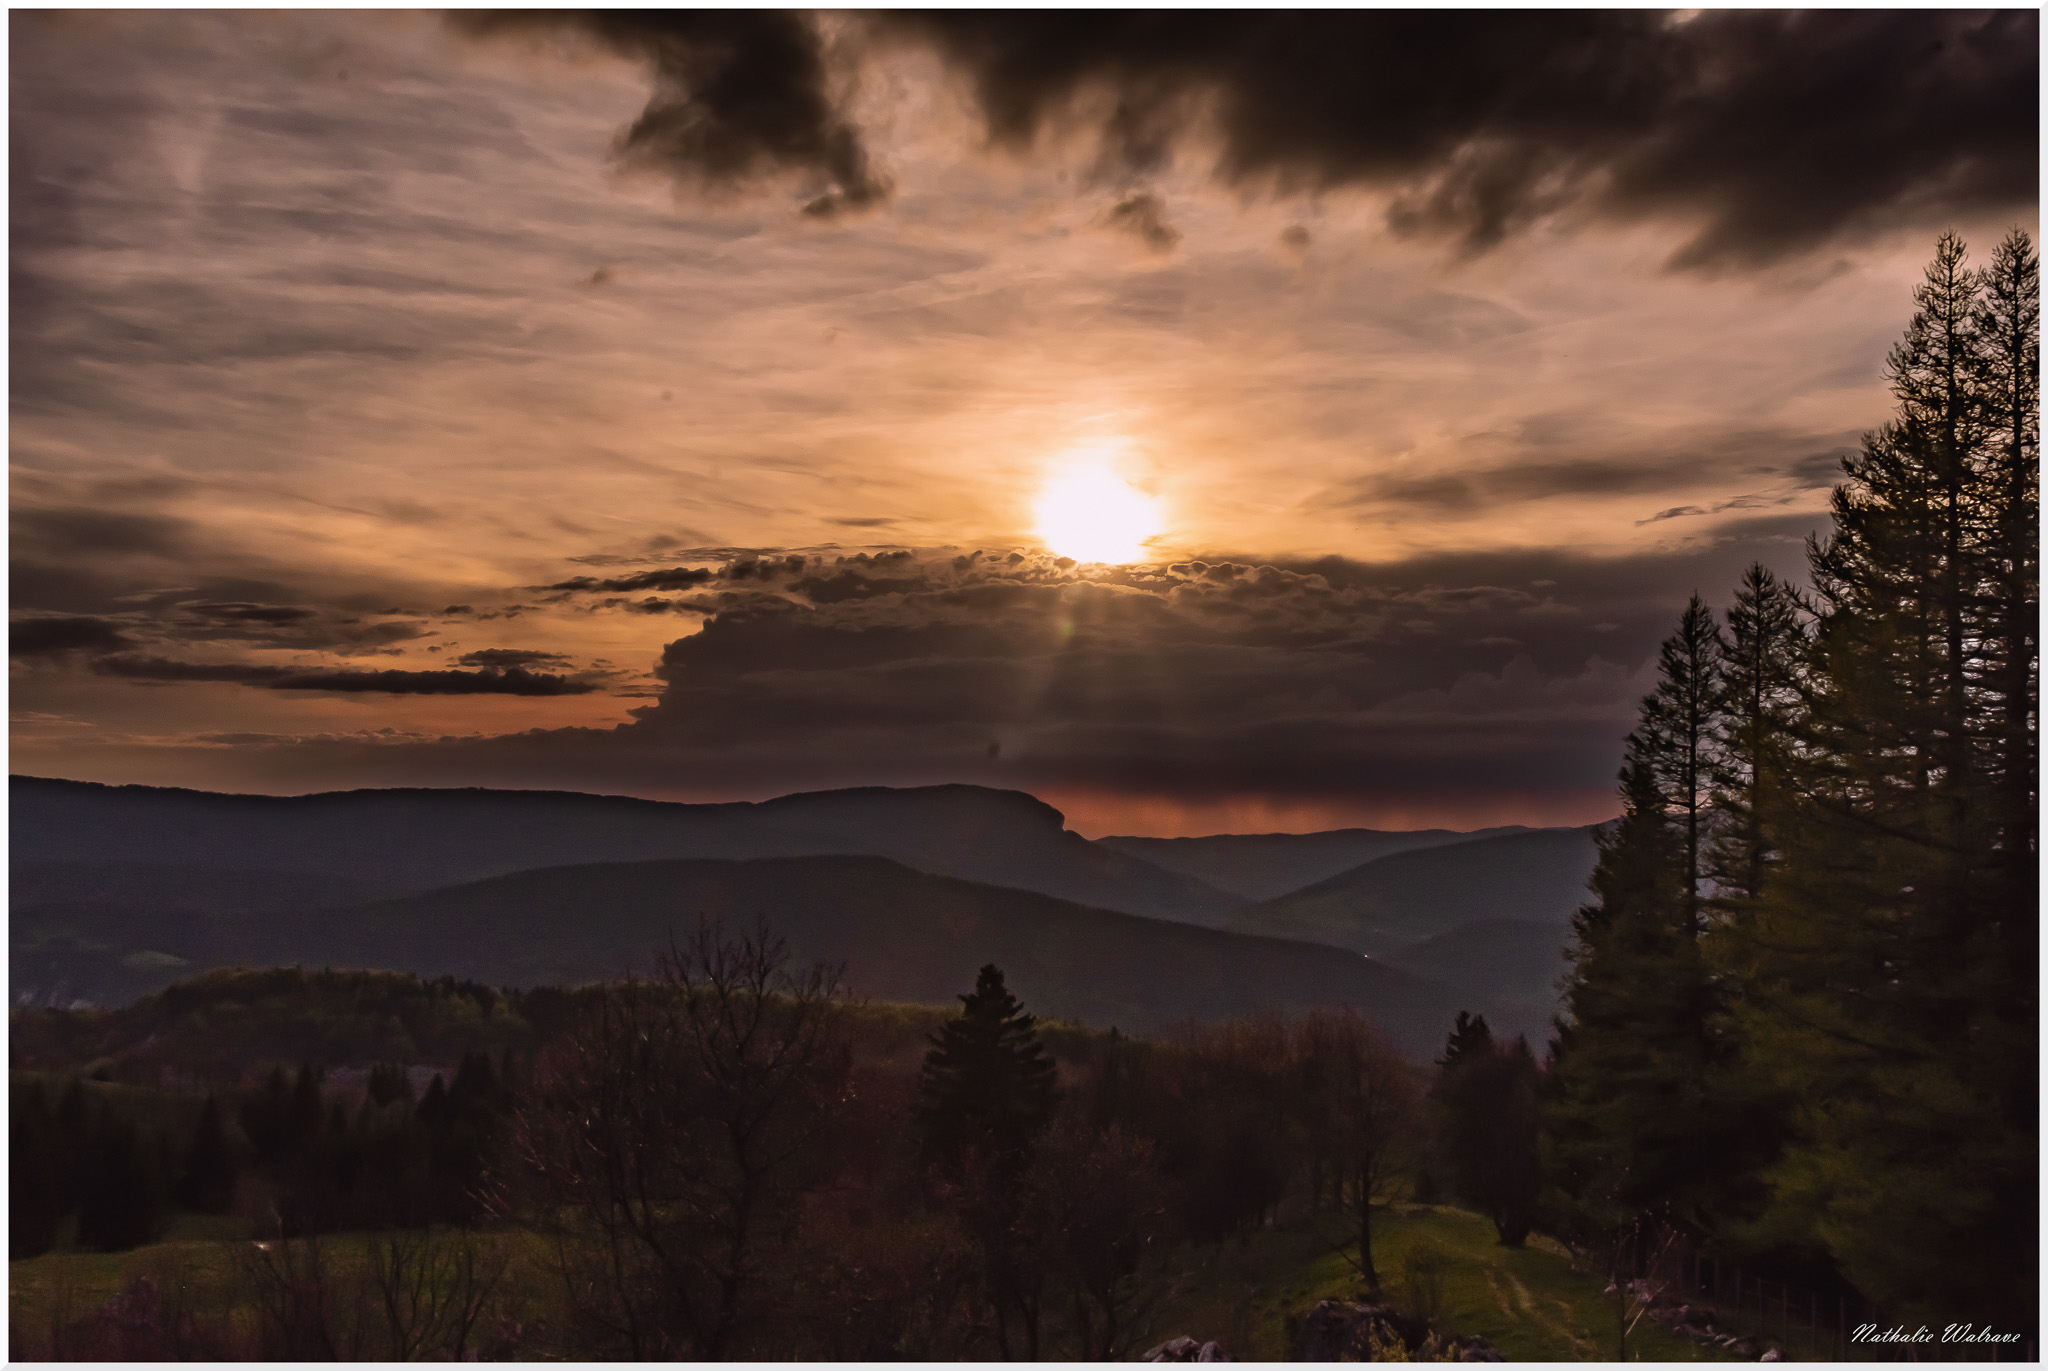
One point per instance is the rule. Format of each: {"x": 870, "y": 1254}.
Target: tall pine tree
{"x": 1758, "y": 709}
{"x": 1881, "y": 993}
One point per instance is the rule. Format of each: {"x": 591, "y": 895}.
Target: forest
{"x": 1799, "y": 1033}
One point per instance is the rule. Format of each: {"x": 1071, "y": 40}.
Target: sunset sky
{"x": 696, "y": 408}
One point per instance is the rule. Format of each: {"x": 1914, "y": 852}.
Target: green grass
{"x": 198, "y": 1267}
{"x": 1531, "y": 1303}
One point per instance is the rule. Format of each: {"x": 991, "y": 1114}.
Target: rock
{"x": 1339, "y": 1330}
{"x": 1212, "y": 1351}
{"x": 1770, "y": 1354}
{"x": 1176, "y": 1349}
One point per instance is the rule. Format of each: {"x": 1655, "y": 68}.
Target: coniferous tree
{"x": 1752, "y": 758}
{"x": 1882, "y": 995}
{"x": 1674, "y": 741}
{"x": 1469, "y": 1037}
{"x": 2008, "y": 328}
{"x": 1487, "y": 1096}
{"x": 120, "y": 1192}
{"x": 1635, "y": 1132}
{"x": 207, "y": 1179}
{"x": 987, "y": 1082}
{"x": 35, "y": 1202}
{"x": 985, "y": 1095}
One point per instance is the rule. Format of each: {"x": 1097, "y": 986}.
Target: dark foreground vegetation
{"x": 729, "y": 1160}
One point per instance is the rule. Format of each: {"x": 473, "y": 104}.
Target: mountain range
{"x": 117, "y": 891}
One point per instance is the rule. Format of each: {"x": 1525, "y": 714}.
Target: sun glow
{"x": 1090, "y": 513}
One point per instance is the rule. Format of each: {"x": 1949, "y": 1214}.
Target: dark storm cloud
{"x": 50, "y": 637}
{"x": 1211, "y": 677}
{"x": 1772, "y": 132}
{"x": 510, "y": 681}
{"x": 738, "y": 94}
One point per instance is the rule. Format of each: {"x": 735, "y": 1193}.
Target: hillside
{"x": 1506, "y": 961}
{"x": 413, "y": 840}
{"x": 903, "y": 935}
{"x": 1538, "y": 876}
{"x": 1264, "y": 866}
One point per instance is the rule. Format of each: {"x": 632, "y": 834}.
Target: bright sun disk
{"x": 1091, "y": 514}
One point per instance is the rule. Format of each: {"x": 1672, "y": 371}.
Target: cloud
{"x": 64, "y": 532}
{"x": 512, "y": 680}
{"x": 501, "y": 657}
{"x": 1199, "y": 679}
{"x": 1144, "y": 218}
{"x": 739, "y": 94}
{"x": 1771, "y": 132}
{"x": 241, "y": 612}
{"x": 46, "y": 637}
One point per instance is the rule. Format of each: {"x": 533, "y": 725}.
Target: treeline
{"x": 290, "y": 1156}
{"x": 734, "y": 1160}
{"x": 212, "y": 1030}
{"x": 1802, "y": 1015}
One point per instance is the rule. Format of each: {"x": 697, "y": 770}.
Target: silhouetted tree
{"x": 120, "y": 1191}
{"x": 207, "y": 1180}
{"x": 1487, "y": 1097}
{"x": 1469, "y": 1036}
{"x": 985, "y": 1094}
{"x": 1891, "y": 992}
{"x": 987, "y": 1084}
{"x": 1370, "y": 1095}
{"x": 389, "y": 1083}
{"x": 683, "y": 1125}
{"x": 35, "y": 1202}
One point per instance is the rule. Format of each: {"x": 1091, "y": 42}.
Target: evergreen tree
{"x": 389, "y": 1083}
{"x": 266, "y": 1118}
{"x": 1469, "y": 1037}
{"x": 1674, "y": 739}
{"x": 1883, "y": 995}
{"x": 1635, "y": 1130}
{"x": 207, "y": 1179}
{"x": 1758, "y": 711}
{"x": 985, "y": 1095}
{"x": 987, "y": 1082}
{"x": 120, "y": 1195}
{"x": 35, "y": 1202}
{"x": 1487, "y": 1096}
{"x": 2008, "y": 328}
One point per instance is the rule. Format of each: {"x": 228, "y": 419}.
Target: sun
{"x": 1090, "y": 513}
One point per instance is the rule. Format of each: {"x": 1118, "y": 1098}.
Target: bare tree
{"x": 433, "y": 1289}
{"x": 1096, "y": 1205}
{"x": 1369, "y": 1096}
{"x": 1633, "y": 1254}
{"x": 676, "y": 1133}
{"x": 305, "y": 1309}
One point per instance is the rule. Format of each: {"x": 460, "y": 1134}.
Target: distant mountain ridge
{"x": 119, "y": 890}
{"x": 422, "y": 839}
{"x": 1264, "y": 866}
{"x": 1536, "y": 876}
